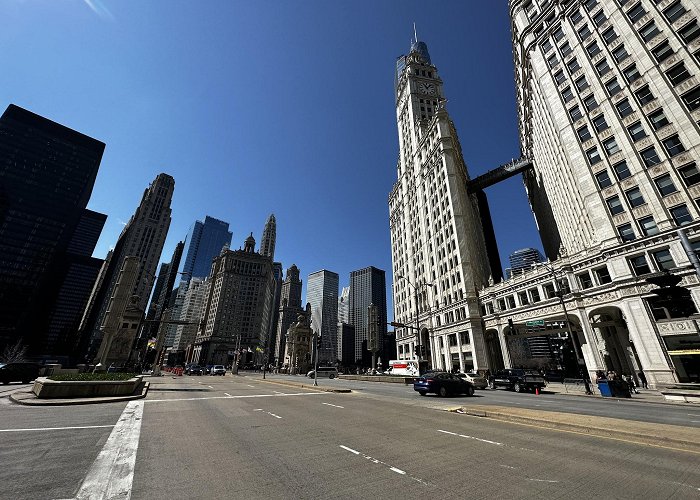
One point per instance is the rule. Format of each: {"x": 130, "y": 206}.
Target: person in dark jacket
{"x": 642, "y": 379}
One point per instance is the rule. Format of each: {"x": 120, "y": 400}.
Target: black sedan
{"x": 194, "y": 370}
{"x": 18, "y": 372}
{"x": 443, "y": 384}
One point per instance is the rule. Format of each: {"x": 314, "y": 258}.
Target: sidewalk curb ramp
{"x": 28, "y": 398}
{"x": 662, "y": 435}
{"x": 304, "y": 386}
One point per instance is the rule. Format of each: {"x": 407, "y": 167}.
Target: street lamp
{"x": 419, "y": 347}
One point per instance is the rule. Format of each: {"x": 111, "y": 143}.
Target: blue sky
{"x": 265, "y": 106}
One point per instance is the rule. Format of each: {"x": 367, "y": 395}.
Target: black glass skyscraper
{"x": 205, "y": 241}
{"x": 47, "y": 172}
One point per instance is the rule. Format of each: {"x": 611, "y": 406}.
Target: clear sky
{"x": 260, "y": 107}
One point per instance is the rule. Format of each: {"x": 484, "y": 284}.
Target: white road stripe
{"x": 235, "y": 397}
{"x": 335, "y": 406}
{"x": 541, "y": 480}
{"x": 112, "y": 473}
{"x": 471, "y": 437}
{"x": 269, "y": 413}
{"x": 397, "y": 470}
{"x": 210, "y": 387}
{"x": 278, "y": 392}
{"x": 376, "y": 461}
{"x": 250, "y": 385}
{"x": 226, "y": 393}
{"x": 57, "y": 428}
{"x": 350, "y": 450}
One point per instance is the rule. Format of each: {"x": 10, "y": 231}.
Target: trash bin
{"x": 619, "y": 389}
{"x": 604, "y": 389}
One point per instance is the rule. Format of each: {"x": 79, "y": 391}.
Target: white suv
{"x": 218, "y": 370}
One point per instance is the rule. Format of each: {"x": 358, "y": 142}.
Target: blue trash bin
{"x": 604, "y": 389}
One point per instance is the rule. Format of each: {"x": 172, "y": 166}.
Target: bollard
{"x": 537, "y": 391}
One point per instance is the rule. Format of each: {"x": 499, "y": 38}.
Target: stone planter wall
{"x": 48, "y": 389}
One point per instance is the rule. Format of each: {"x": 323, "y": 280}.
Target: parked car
{"x": 324, "y": 371}
{"x": 442, "y": 384}
{"x": 194, "y": 370}
{"x": 517, "y": 379}
{"x": 18, "y": 372}
{"x": 477, "y": 380}
{"x": 218, "y": 370}
{"x": 207, "y": 369}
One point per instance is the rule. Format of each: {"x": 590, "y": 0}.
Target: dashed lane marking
{"x": 269, "y": 413}
{"x": 379, "y": 462}
{"x": 57, "y": 428}
{"x": 541, "y": 480}
{"x": 471, "y": 437}
{"x": 226, "y": 393}
{"x": 335, "y": 406}
{"x": 234, "y": 397}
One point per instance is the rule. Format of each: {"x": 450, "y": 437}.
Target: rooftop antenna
{"x": 415, "y": 34}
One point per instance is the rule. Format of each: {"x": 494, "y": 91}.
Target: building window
{"x": 565, "y": 49}
{"x": 602, "y": 275}
{"x": 567, "y": 94}
{"x": 625, "y": 231}
{"x": 573, "y": 66}
{"x": 650, "y": 157}
{"x": 639, "y": 265}
{"x": 522, "y": 297}
{"x": 624, "y": 108}
{"x": 593, "y": 49}
{"x": 674, "y": 11}
{"x": 649, "y": 31}
{"x": 662, "y": 51}
{"x": 585, "y": 280}
{"x": 549, "y": 290}
{"x": 590, "y": 103}
{"x": 510, "y": 300}
{"x": 599, "y": 18}
{"x": 665, "y": 185}
{"x": 599, "y": 123}
{"x": 546, "y": 45}
{"x": 622, "y": 171}
{"x": 620, "y": 54}
{"x": 603, "y": 68}
{"x": 581, "y": 83}
{"x": 558, "y": 34}
{"x": 576, "y": 17}
{"x": 534, "y": 295}
{"x": 589, "y": 4}
{"x": 692, "y": 99}
{"x": 552, "y": 60}
{"x": 644, "y": 95}
{"x": 636, "y": 131}
{"x": 678, "y": 74}
{"x": 689, "y": 32}
{"x": 648, "y": 225}
{"x": 593, "y": 156}
{"x": 609, "y": 36}
{"x": 681, "y": 216}
{"x": 631, "y": 73}
{"x": 603, "y": 179}
{"x": 634, "y": 196}
{"x": 559, "y": 77}
{"x": 636, "y": 13}
{"x": 612, "y": 87}
{"x": 663, "y": 259}
{"x": 615, "y": 205}
{"x": 689, "y": 174}
{"x": 584, "y": 32}
{"x": 673, "y": 145}
{"x": 501, "y": 305}
{"x": 658, "y": 119}
{"x": 583, "y": 133}
{"x": 575, "y": 113}
{"x": 611, "y": 146}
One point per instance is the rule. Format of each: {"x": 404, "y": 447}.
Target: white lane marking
{"x": 269, "y": 413}
{"x": 236, "y": 397}
{"x": 541, "y": 480}
{"x": 250, "y": 385}
{"x": 57, "y": 428}
{"x": 112, "y": 473}
{"x": 507, "y": 466}
{"x": 226, "y": 393}
{"x": 377, "y": 461}
{"x": 688, "y": 485}
{"x": 335, "y": 406}
{"x": 278, "y": 392}
{"x": 471, "y": 437}
{"x": 695, "y": 421}
{"x": 210, "y": 387}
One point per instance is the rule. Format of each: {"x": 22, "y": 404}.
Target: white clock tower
{"x": 438, "y": 253}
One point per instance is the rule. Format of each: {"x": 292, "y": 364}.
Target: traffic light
{"x": 676, "y": 299}
{"x": 397, "y": 324}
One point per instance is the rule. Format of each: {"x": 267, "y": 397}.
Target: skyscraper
{"x": 367, "y": 286}
{"x": 269, "y": 236}
{"x": 191, "y": 313}
{"x": 438, "y": 243}
{"x": 205, "y": 241}
{"x": 344, "y": 305}
{"x": 47, "y": 172}
{"x": 289, "y": 310}
{"x": 162, "y": 292}
{"x": 522, "y": 260}
{"x": 142, "y": 237}
{"x": 322, "y": 295}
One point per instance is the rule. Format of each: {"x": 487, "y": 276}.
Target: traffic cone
{"x": 537, "y": 391}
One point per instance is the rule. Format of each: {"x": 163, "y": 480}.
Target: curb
{"x": 303, "y": 386}
{"x": 72, "y": 402}
{"x": 549, "y": 423}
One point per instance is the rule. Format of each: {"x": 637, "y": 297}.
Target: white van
{"x": 324, "y": 371}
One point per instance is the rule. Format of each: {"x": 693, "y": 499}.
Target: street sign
{"x": 372, "y": 328}
{"x": 536, "y": 322}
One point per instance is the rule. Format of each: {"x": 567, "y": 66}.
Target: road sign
{"x": 536, "y": 322}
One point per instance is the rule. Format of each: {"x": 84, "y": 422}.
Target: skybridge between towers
{"x": 501, "y": 173}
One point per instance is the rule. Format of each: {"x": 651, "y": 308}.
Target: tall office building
{"x": 237, "y": 311}
{"x": 344, "y": 305}
{"x": 322, "y": 295}
{"x": 289, "y": 310}
{"x": 522, "y": 260}
{"x": 162, "y": 292}
{"x": 438, "y": 242}
{"x": 191, "y": 313}
{"x": 205, "y": 241}
{"x": 47, "y": 172}
{"x": 142, "y": 237}
{"x": 269, "y": 237}
{"x": 608, "y": 105}
{"x": 367, "y": 286}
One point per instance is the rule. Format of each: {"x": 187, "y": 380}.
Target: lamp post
{"x": 419, "y": 346}
{"x": 316, "y": 358}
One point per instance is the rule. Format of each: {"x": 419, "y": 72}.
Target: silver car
{"x": 218, "y": 370}
{"x": 479, "y": 381}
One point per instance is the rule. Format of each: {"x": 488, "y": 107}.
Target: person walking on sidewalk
{"x": 643, "y": 379}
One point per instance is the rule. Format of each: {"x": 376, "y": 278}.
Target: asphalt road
{"x": 628, "y": 409}
{"x": 237, "y": 437}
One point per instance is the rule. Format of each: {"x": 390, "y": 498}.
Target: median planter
{"x": 44, "y": 388}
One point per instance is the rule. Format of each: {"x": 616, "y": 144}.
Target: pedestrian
{"x": 643, "y": 379}
{"x": 630, "y": 384}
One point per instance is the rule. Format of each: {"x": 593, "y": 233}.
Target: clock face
{"x": 427, "y": 88}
